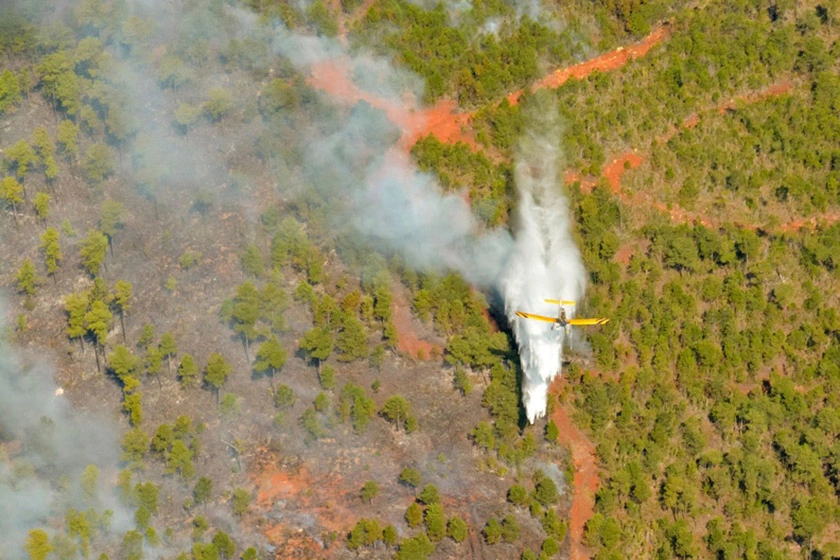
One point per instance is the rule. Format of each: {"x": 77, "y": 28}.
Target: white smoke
{"x": 45, "y": 445}
{"x": 397, "y": 208}
{"x": 545, "y": 262}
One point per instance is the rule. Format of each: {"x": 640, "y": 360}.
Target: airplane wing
{"x": 537, "y": 317}
{"x": 560, "y": 301}
{"x": 584, "y": 322}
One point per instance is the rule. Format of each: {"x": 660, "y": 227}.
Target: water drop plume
{"x": 545, "y": 262}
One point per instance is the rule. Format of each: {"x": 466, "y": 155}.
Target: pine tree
{"x": 12, "y": 193}
{"x": 123, "y": 292}
{"x": 216, "y": 372}
{"x": 41, "y": 202}
{"x": 270, "y": 357}
{"x": 51, "y": 248}
{"x": 94, "y": 248}
{"x": 27, "y": 279}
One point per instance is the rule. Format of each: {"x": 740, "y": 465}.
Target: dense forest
{"x": 176, "y": 244}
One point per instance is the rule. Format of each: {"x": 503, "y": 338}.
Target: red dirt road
{"x": 586, "y": 471}
{"x": 442, "y": 119}
{"x": 606, "y": 62}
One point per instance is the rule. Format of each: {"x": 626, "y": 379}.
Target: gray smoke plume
{"x": 45, "y": 445}
{"x": 398, "y": 208}
{"x": 545, "y": 262}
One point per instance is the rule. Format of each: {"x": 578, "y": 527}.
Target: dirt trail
{"x": 586, "y": 470}
{"x": 441, "y": 119}
{"x": 615, "y": 169}
{"x": 606, "y": 62}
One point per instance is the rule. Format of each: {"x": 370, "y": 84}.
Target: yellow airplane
{"x": 561, "y": 318}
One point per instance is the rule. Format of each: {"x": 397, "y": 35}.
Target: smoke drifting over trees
{"x": 57, "y": 449}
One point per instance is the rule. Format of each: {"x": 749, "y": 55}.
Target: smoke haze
{"x": 45, "y": 445}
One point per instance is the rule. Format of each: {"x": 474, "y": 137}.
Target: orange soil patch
{"x": 407, "y": 340}
{"x": 586, "y": 471}
{"x": 625, "y": 252}
{"x": 616, "y": 168}
{"x": 322, "y": 498}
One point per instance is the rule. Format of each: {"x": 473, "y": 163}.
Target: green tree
{"x": 395, "y": 410}
{"x": 435, "y": 522}
{"x": 173, "y": 72}
{"x": 318, "y": 344}
{"x": 12, "y": 194}
{"x": 418, "y": 547}
{"x": 51, "y": 248}
{"x": 545, "y": 491}
{"x": 19, "y": 157}
{"x": 241, "y": 501}
{"x": 76, "y": 306}
{"x": 59, "y": 82}
{"x": 135, "y": 444}
{"x": 224, "y": 544}
{"x": 187, "y": 371}
{"x": 123, "y": 363}
{"x": 98, "y": 321}
{"x": 245, "y": 314}
{"x": 27, "y": 279}
{"x": 216, "y": 372}
{"x": 93, "y": 250}
{"x": 551, "y": 432}
{"x": 219, "y": 103}
{"x": 9, "y": 91}
{"x": 510, "y": 529}
{"x": 186, "y": 115}
{"x": 110, "y": 220}
{"x": 98, "y": 164}
{"x": 180, "y": 460}
{"x": 369, "y": 491}
{"x": 429, "y": 495}
{"x": 67, "y": 138}
{"x": 492, "y": 531}
{"x": 356, "y": 404}
{"x": 518, "y": 495}
{"x": 252, "y": 261}
{"x": 89, "y": 482}
{"x": 270, "y": 357}
{"x": 389, "y": 535}
{"x": 463, "y": 383}
{"x": 123, "y": 293}
{"x": 168, "y": 349}
{"x": 410, "y": 477}
{"x": 352, "y": 341}
{"x": 41, "y": 201}
{"x": 132, "y": 546}
{"x": 414, "y": 515}
{"x": 38, "y": 545}
{"x": 203, "y": 490}
{"x": 457, "y": 529}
